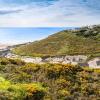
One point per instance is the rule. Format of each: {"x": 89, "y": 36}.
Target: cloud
{"x": 49, "y": 13}
{"x": 3, "y": 12}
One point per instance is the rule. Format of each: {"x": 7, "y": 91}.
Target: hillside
{"x": 85, "y": 40}
{"x": 27, "y": 81}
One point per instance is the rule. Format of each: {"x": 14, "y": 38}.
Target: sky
{"x": 29, "y": 20}
{"x": 11, "y": 36}
{"x": 49, "y": 13}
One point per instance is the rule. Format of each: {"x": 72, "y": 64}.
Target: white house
{"x": 11, "y": 55}
{"x": 32, "y": 60}
{"x": 94, "y": 63}
{"x": 74, "y": 60}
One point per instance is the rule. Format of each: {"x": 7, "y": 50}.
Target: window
{"x": 98, "y": 63}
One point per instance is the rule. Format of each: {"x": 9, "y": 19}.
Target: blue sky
{"x": 22, "y": 35}
{"x": 49, "y": 13}
{"x": 43, "y": 13}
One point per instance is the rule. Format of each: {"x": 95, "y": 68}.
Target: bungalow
{"x": 36, "y": 60}
{"x": 94, "y": 63}
{"x": 11, "y": 55}
{"x": 74, "y": 60}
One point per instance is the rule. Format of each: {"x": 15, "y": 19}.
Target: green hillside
{"x": 85, "y": 40}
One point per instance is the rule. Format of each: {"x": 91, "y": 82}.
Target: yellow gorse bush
{"x": 21, "y": 90}
{"x": 4, "y": 84}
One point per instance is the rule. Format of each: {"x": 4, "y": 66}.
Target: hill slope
{"x": 27, "y": 81}
{"x": 85, "y": 40}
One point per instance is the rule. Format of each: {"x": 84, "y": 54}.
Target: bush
{"x": 48, "y": 82}
{"x": 16, "y": 62}
{"x": 10, "y": 91}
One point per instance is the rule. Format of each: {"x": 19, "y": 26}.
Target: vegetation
{"x": 9, "y": 91}
{"x": 27, "y": 81}
{"x": 85, "y": 40}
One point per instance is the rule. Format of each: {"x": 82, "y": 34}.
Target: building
{"x": 94, "y": 63}
{"x": 74, "y": 60}
{"x": 11, "y": 55}
{"x": 36, "y": 60}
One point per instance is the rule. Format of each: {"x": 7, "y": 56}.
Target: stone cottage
{"x": 74, "y": 60}
{"x": 94, "y": 63}
{"x": 36, "y": 60}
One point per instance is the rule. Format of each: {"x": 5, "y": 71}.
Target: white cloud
{"x": 61, "y": 13}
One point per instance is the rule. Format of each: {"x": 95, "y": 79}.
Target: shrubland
{"x": 28, "y": 81}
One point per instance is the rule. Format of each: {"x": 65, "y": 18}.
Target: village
{"x": 81, "y": 60}
{"x": 68, "y": 59}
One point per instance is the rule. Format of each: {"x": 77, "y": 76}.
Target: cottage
{"x": 94, "y": 63}
{"x": 32, "y": 60}
{"x": 11, "y": 55}
{"x": 74, "y": 60}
